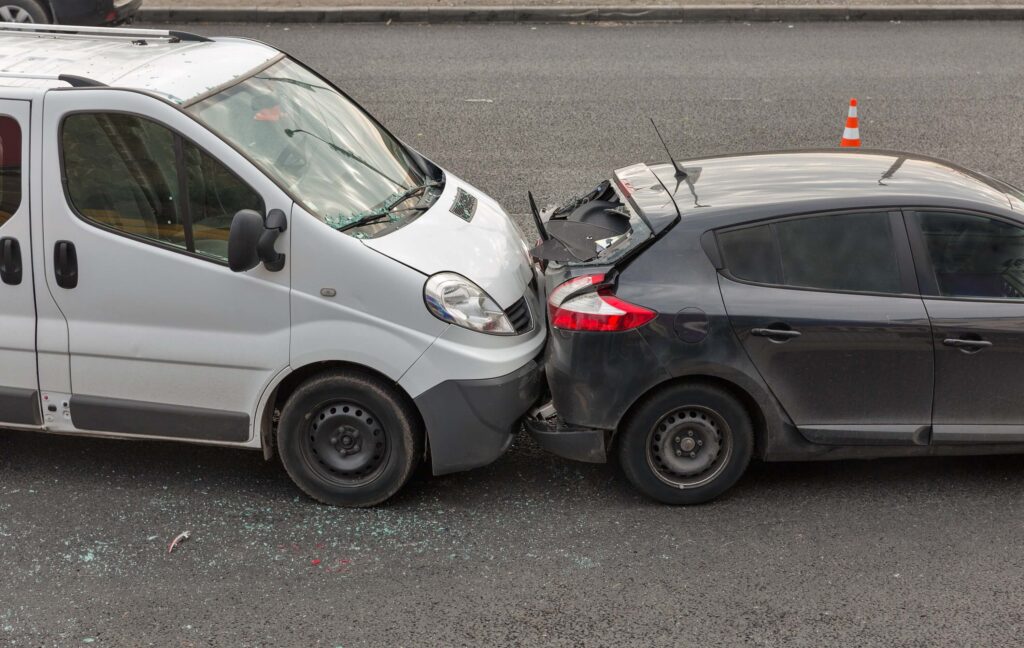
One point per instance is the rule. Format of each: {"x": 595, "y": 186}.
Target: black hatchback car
{"x": 789, "y": 306}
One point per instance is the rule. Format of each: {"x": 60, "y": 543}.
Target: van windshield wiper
{"x": 389, "y": 208}
{"x": 409, "y": 193}
{"x": 291, "y": 132}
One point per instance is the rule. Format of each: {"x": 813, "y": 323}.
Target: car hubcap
{"x": 689, "y": 446}
{"x": 348, "y": 442}
{"x": 10, "y": 13}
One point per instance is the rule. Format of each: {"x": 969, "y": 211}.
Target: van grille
{"x": 520, "y": 317}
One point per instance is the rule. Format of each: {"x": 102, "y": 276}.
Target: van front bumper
{"x": 470, "y": 423}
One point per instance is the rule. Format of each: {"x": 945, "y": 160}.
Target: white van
{"x": 203, "y": 240}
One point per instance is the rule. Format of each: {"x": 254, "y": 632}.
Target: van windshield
{"x": 336, "y": 161}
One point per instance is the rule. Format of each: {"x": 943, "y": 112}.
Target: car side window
{"x": 973, "y": 256}
{"x": 850, "y": 252}
{"x": 121, "y": 171}
{"x": 10, "y": 168}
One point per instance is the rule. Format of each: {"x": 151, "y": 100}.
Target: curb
{"x": 542, "y": 14}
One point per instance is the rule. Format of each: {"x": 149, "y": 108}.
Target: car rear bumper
{"x": 471, "y": 423}
{"x": 581, "y": 444}
{"x": 595, "y": 377}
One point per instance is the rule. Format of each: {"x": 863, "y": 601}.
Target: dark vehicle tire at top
{"x": 686, "y": 444}
{"x": 23, "y": 11}
{"x": 349, "y": 439}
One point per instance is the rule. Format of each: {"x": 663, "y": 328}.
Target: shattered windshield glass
{"x": 338, "y": 163}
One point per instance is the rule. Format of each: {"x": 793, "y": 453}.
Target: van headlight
{"x": 454, "y": 299}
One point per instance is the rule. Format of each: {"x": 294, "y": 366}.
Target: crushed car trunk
{"x": 616, "y": 220}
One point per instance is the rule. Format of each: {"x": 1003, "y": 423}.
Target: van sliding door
{"x": 19, "y": 386}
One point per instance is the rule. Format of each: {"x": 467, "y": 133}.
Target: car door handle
{"x": 10, "y": 261}
{"x": 65, "y": 264}
{"x": 966, "y": 344}
{"x": 775, "y": 333}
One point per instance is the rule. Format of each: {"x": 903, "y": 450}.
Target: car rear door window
{"x": 10, "y": 168}
{"x": 973, "y": 256}
{"x": 123, "y": 172}
{"x": 849, "y": 252}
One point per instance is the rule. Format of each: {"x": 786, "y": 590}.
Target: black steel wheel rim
{"x": 346, "y": 443}
{"x": 689, "y": 446}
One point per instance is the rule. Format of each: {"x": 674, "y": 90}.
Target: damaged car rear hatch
{"x": 612, "y": 223}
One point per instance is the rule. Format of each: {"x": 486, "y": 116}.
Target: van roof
{"x": 175, "y": 65}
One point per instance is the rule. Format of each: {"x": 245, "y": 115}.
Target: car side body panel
{"x": 692, "y": 336}
{"x": 596, "y": 378}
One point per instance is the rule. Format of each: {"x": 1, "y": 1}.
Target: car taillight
{"x": 597, "y": 310}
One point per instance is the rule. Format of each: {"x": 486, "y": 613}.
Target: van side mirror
{"x": 252, "y": 239}
{"x": 276, "y": 223}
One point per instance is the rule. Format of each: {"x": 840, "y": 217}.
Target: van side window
{"x": 10, "y": 168}
{"x": 215, "y": 195}
{"x": 838, "y": 252}
{"x": 122, "y": 172}
{"x": 974, "y": 256}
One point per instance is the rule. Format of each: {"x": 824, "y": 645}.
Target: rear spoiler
{"x": 571, "y": 241}
{"x": 648, "y": 196}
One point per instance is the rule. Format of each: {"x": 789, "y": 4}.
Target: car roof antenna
{"x": 680, "y": 171}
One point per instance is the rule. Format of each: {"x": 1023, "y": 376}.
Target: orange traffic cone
{"x": 851, "y": 136}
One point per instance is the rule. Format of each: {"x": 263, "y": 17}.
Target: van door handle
{"x": 10, "y": 261}
{"x": 776, "y": 334}
{"x": 967, "y": 345}
{"x": 65, "y": 264}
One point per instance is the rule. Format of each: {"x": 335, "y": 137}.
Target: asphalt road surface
{"x": 534, "y": 550}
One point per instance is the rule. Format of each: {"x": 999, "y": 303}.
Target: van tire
{"x": 686, "y": 444}
{"x": 349, "y": 439}
{"x": 35, "y": 10}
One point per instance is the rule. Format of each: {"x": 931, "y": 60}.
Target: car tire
{"x": 23, "y": 11}
{"x": 686, "y": 444}
{"x": 349, "y": 439}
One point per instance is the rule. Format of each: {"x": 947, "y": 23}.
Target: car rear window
{"x": 850, "y": 252}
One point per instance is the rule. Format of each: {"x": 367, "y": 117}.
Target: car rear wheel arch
{"x": 754, "y": 411}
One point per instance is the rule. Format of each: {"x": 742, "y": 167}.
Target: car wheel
{"x": 686, "y": 444}
{"x": 349, "y": 439}
{"x": 22, "y": 11}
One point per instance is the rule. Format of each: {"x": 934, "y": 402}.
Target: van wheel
{"x": 349, "y": 439}
{"x": 22, "y": 11}
{"x": 686, "y": 444}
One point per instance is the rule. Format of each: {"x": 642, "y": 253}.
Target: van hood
{"x": 487, "y": 248}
